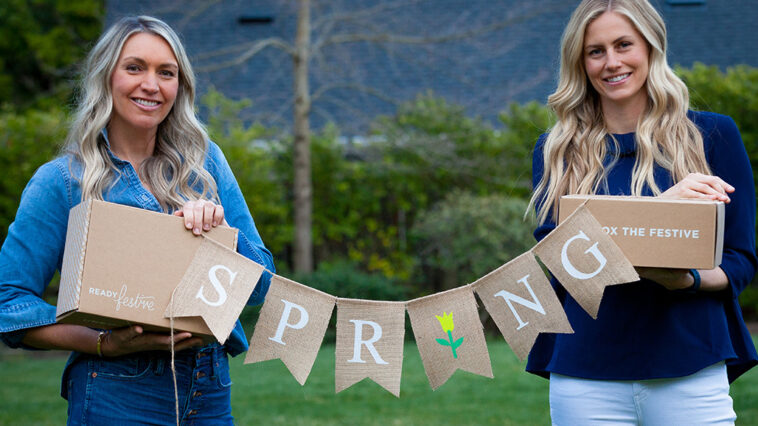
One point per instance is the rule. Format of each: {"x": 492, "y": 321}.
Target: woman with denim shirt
{"x": 664, "y": 349}
{"x": 135, "y": 140}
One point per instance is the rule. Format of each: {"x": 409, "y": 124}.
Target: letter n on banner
{"x": 449, "y": 335}
{"x": 216, "y": 286}
{"x": 522, "y": 302}
{"x": 291, "y": 326}
{"x": 369, "y": 343}
{"x": 584, "y": 259}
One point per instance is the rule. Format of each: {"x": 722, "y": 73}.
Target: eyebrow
{"x": 138, "y": 59}
{"x": 613, "y": 42}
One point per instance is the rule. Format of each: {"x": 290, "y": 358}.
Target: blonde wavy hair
{"x": 175, "y": 172}
{"x": 575, "y": 148}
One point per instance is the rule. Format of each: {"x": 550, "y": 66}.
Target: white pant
{"x": 699, "y": 399}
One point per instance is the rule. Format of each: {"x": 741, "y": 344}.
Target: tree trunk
{"x": 303, "y": 203}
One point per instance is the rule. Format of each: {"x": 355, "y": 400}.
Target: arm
{"x": 238, "y": 215}
{"x": 732, "y": 182}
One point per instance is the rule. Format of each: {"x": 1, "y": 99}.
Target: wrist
{"x": 102, "y": 336}
{"x": 695, "y": 286}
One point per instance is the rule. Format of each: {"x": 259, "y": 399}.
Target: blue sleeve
{"x": 32, "y": 252}
{"x": 728, "y": 159}
{"x": 537, "y": 171}
{"x": 238, "y": 215}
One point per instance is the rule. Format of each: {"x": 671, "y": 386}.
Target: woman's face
{"x": 144, "y": 83}
{"x": 616, "y": 60}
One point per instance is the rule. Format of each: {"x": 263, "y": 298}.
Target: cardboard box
{"x": 121, "y": 265}
{"x": 658, "y": 232}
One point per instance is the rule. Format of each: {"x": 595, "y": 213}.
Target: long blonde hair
{"x": 174, "y": 173}
{"x": 575, "y": 148}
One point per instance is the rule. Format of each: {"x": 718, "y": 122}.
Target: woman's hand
{"x": 676, "y": 279}
{"x": 672, "y": 279}
{"x": 122, "y": 341}
{"x": 201, "y": 215}
{"x": 701, "y": 187}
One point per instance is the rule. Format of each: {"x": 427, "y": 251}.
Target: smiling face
{"x": 616, "y": 61}
{"x": 144, "y": 84}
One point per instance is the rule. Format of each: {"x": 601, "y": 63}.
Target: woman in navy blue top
{"x": 135, "y": 140}
{"x": 624, "y": 128}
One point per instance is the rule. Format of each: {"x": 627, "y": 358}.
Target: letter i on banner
{"x": 584, "y": 259}
{"x": 369, "y": 343}
{"x": 291, "y": 326}
{"x": 522, "y": 302}
{"x": 216, "y": 287}
{"x": 449, "y": 335}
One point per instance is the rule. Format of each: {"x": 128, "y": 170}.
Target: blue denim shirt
{"x": 33, "y": 249}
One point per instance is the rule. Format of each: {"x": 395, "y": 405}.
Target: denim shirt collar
{"x": 116, "y": 160}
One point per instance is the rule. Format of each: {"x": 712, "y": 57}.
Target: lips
{"x": 146, "y": 102}
{"x": 617, "y": 78}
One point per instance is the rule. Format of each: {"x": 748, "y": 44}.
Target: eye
{"x": 625, "y": 44}
{"x": 167, "y": 73}
{"x": 132, "y": 67}
{"x": 594, "y": 52}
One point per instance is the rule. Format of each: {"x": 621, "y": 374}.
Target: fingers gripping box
{"x": 656, "y": 232}
{"x": 121, "y": 265}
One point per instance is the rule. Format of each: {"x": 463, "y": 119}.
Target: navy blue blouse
{"x": 644, "y": 331}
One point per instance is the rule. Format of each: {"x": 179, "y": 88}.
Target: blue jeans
{"x": 138, "y": 389}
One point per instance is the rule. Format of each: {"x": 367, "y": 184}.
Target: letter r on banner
{"x": 594, "y": 251}
{"x": 369, "y": 343}
{"x": 283, "y": 322}
{"x": 510, "y": 298}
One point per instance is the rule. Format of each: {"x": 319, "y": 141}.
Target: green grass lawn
{"x": 265, "y": 393}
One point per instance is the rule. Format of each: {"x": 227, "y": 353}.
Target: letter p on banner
{"x": 584, "y": 259}
{"x": 291, "y": 326}
{"x": 216, "y": 287}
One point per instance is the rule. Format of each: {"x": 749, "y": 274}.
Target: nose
{"x": 149, "y": 83}
{"x": 613, "y": 60}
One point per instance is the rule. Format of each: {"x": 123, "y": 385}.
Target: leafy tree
{"x": 41, "y": 42}
{"x": 466, "y": 236}
{"x": 27, "y": 140}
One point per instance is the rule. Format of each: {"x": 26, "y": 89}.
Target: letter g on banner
{"x": 216, "y": 285}
{"x": 594, "y": 251}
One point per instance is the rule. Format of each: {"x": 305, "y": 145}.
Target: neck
{"x": 623, "y": 118}
{"x": 132, "y": 145}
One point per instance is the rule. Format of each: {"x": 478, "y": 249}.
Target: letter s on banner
{"x": 216, "y": 285}
{"x": 592, "y": 250}
{"x": 286, "y": 316}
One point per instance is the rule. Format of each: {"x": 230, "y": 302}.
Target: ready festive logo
{"x": 447, "y": 324}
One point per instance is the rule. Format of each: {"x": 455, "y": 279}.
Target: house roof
{"x": 480, "y": 54}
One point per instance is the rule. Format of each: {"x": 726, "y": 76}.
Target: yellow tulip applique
{"x": 446, "y": 321}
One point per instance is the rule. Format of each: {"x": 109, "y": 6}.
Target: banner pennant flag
{"x": 449, "y": 335}
{"x": 522, "y": 303}
{"x": 584, "y": 259}
{"x": 216, "y": 287}
{"x": 369, "y": 343}
{"x": 291, "y": 326}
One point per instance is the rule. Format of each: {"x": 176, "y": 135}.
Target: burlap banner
{"x": 291, "y": 326}
{"x": 215, "y": 287}
{"x": 522, "y": 302}
{"x": 446, "y": 325}
{"x": 584, "y": 259}
{"x": 369, "y": 343}
{"x": 449, "y": 335}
